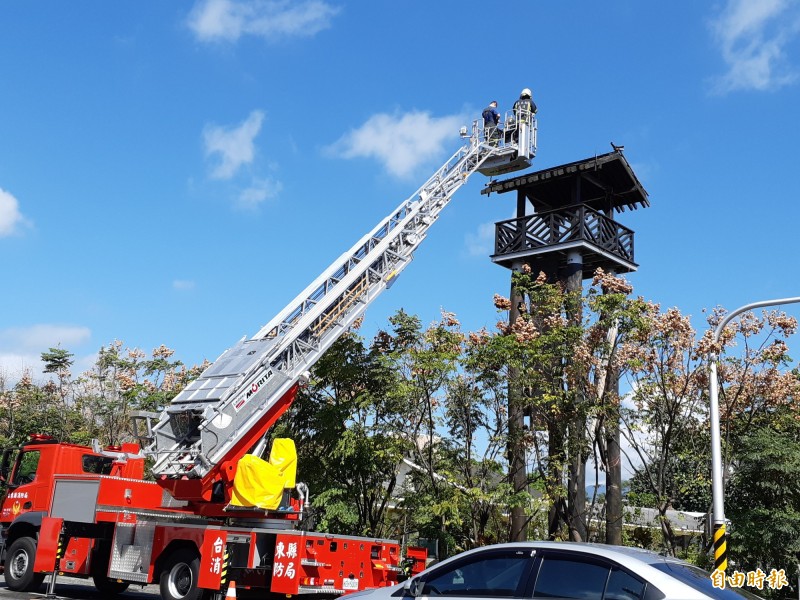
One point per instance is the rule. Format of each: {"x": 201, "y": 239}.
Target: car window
{"x": 623, "y": 586}
{"x": 563, "y": 577}
{"x": 500, "y": 574}
{"x": 701, "y": 580}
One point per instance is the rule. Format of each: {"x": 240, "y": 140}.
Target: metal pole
{"x": 717, "y": 492}
{"x": 717, "y": 505}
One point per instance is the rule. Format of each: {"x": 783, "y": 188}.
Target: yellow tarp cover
{"x": 260, "y": 483}
{"x": 284, "y": 457}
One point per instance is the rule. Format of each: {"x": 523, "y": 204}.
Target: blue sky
{"x": 176, "y": 172}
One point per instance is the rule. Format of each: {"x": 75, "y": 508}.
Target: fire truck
{"x": 223, "y": 510}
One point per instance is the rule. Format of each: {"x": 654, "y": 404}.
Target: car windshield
{"x": 701, "y": 581}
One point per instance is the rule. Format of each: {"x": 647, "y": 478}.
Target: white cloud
{"x": 13, "y": 365}
{"x": 402, "y": 142}
{"x": 183, "y": 285}
{"x": 21, "y": 347}
{"x": 10, "y": 216}
{"x": 481, "y": 242}
{"x": 753, "y": 37}
{"x": 43, "y": 336}
{"x": 233, "y": 147}
{"x": 228, "y": 20}
{"x": 260, "y": 191}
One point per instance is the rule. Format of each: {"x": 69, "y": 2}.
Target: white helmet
{"x": 526, "y": 93}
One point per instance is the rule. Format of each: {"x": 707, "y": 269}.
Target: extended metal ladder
{"x": 218, "y": 411}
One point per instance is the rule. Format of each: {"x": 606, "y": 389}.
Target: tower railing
{"x": 567, "y": 226}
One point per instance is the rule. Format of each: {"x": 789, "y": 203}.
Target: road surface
{"x": 78, "y": 589}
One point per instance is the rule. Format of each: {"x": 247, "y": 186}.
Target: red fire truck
{"x": 221, "y": 509}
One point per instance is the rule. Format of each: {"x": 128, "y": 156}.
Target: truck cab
{"x": 28, "y": 475}
{"x": 27, "y": 472}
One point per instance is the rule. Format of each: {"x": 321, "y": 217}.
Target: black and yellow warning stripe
{"x": 720, "y": 547}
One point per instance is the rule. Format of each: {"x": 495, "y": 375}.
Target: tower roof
{"x": 605, "y": 182}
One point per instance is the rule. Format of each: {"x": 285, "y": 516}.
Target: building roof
{"x": 605, "y": 182}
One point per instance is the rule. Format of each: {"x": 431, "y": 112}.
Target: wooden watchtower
{"x": 564, "y": 227}
{"x": 564, "y": 214}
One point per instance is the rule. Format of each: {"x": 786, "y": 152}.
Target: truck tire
{"x": 19, "y": 573}
{"x": 99, "y": 561}
{"x": 179, "y": 577}
{"x": 109, "y": 587}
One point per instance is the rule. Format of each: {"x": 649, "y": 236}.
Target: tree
{"x": 32, "y": 408}
{"x": 125, "y": 380}
{"x": 763, "y": 502}
{"x": 666, "y": 415}
{"x": 348, "y": 451}
{"x": 756, "y": 383}
{"x": 425, "y": 362}
{"x": 409, "y": 401}
{"x": 666, "y": 424}
{"x": 473, "y": 458}
{"x": 563, "y": 363}
{"x": 58, "y": 362}
{"x": 97, "y": 404}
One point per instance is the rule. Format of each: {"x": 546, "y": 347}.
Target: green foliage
{"x": 344, "y": 426}
{"x": 763, "y": 502}
{"x": 57, "y": 360}
{"x": 685, "y": 483}
{"x": 401, "y": 438}
{"x": 559, "y": 357}
{"x": 94, "y": 405}
{"x": 339, "y": 514}
{"x": 458, "y": 439}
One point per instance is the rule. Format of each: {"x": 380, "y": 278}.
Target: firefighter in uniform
{"x": 524, "y": 109}
{"x": 491, "y": 123}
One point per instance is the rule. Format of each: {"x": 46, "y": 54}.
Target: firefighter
{"x": 524, "y": 109}
{"x": 491, "y": 121}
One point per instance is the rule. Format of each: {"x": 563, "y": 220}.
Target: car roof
{"x": 617, "y": 552}
{"x": 637, "y": 560}
{"x": 623, "y": 553}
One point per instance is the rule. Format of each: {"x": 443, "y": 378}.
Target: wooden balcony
{"x": 544, "y": 239}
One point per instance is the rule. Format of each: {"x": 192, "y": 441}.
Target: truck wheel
{"x": 109, "y": 587}
{"x": 99, "y": 560}
{"x": 179, "y": 577}
{"x": 19, "y": 573}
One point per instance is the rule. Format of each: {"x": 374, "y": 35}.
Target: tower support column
{"x": 576, "y": 438}
{"x": 517, "y": 452}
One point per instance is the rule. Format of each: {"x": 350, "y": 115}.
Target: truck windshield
{"x": 5, "y": 463}
{"x": 25, "y": 471}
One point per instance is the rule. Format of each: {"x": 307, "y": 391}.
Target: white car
{"x": 558, "y": 570}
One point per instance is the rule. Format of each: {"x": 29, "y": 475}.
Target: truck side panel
{"x": 306, "y": 563}
{"x": 49, "y": 545}
{"x": 212, "y": 558}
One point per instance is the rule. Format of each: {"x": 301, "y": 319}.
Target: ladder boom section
{"x": 215, "y": 413}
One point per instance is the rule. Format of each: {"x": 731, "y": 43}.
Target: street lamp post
{"x": 717, "y": 492}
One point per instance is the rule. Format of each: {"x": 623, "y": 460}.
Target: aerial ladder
{"x": 228, "y": 410}
{"x": 90, "y": 512}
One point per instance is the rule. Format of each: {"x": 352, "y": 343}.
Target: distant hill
{"x": 601, "y": 489}
{"x": 590, "y": 490}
